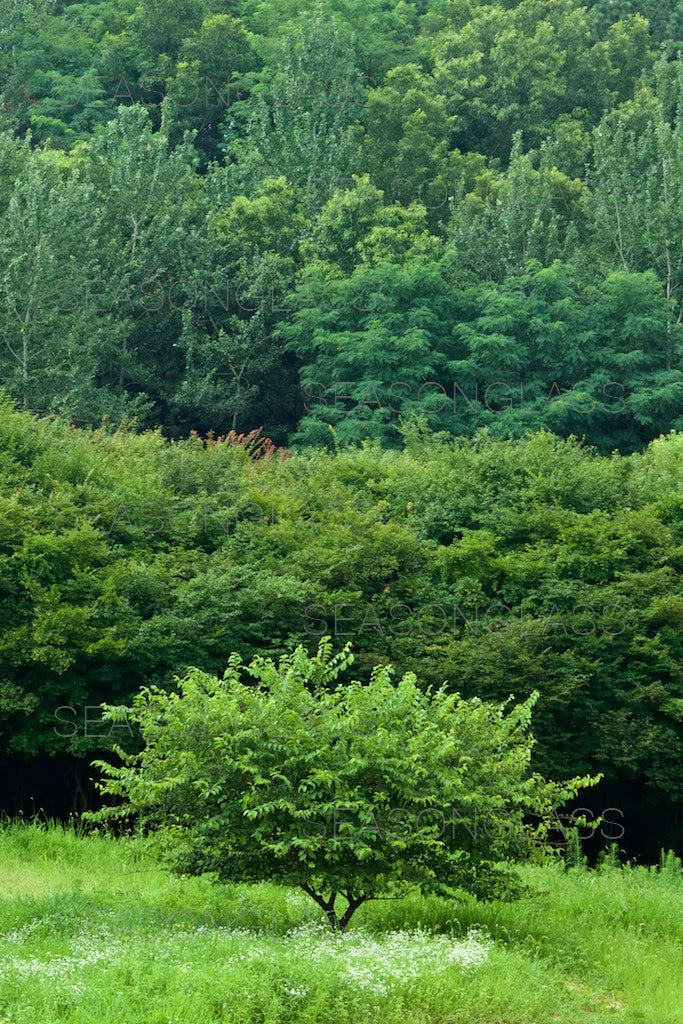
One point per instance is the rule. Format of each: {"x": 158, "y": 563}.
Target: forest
{"x": 320, "y": 219}
{"x": 341, "y": 511}
{"x": 502, "y": 566}
{"x": 360, "y": 319}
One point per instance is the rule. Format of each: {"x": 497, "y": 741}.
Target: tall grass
{"x": 92, "y": 930}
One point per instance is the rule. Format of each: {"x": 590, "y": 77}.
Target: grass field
{"x": 92, "y": 931}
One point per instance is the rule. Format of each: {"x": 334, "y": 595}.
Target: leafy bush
{"x": 357, "y": 790}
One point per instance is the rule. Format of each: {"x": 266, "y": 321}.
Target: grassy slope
{"x": 92, "y": 931}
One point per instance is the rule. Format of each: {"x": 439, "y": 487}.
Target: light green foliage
{"x": 503, "y": 69}
{"x": 637, "y": 189}
{"x": 49, "y": 344}
{"x": 534, "y": 212}
{"x": 274, "y": 773}
{"x": 301, "y": 120}
{"x": 125, "y": 560}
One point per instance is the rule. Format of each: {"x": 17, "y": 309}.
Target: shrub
{"x": 279, "y": 772}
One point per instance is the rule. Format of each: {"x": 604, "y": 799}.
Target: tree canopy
{"x": 214, "y": 214}
{"x": 500, "y": 566}
{"x": 356, "y": 790}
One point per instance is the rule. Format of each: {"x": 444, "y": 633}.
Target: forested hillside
{"x": 227, "y": 215}
{"x": 360, "y": 318}
{"x": 341, "y": 511}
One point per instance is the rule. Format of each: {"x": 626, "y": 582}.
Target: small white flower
{"x": 297, "y": 993}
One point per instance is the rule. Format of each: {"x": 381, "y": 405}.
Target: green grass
{"x": 91, "y": 930}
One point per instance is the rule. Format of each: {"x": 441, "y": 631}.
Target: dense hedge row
{"x": 501, "y": 566}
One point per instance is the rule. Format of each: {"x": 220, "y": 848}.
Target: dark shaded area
{"x": 640, "y": 826}
{"x": 61, "y": 785}
{"x": 51, "y": 786}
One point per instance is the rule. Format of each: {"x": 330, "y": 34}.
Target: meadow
{"x": 92, "y": 930}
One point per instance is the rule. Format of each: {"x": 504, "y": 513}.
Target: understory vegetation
{"x": 496, "y": 567}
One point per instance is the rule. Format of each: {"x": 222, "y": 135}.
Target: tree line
{"x": 497, "y": 566}
{"x": 212, "y": 217}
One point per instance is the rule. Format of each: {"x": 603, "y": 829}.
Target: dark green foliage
{"x": 235, "y": 204}
{"x": 350, "y": 225}
{"x": 502, "y": 567}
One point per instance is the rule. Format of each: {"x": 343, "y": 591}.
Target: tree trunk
{"x": 337, "y": 924}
